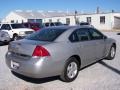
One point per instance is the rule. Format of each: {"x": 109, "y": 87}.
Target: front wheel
{"x": 70, "y": 71}
{"x": 15, "y": 37}
{"x": 112, "y": 53}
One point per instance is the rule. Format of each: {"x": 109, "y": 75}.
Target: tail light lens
{"x": 40, "y": 52}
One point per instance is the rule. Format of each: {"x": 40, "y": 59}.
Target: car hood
{"x": 24, "y": 29}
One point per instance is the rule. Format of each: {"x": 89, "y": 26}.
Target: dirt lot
{"x": 103, "y": 75}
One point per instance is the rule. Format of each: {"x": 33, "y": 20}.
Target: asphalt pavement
{"x": 103, "y": 75}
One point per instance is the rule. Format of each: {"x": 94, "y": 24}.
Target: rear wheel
{"x": 112, "y": 53}
{"x": 70, "y": 71}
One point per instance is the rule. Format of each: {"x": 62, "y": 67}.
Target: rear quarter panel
{"x": 60, "y": 53}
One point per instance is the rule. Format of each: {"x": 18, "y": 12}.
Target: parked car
{"x": 48, "y": 24}
{"x": 60, "y": 51}
{"x": 9, "y": 31}
{"x": 34, "y": 26}
{"x": 85, "y": 24}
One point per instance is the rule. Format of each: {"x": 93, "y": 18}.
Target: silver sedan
{"x": 61, "y": 50}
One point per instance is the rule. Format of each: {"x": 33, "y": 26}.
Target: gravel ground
{"x": 104, "y": 75}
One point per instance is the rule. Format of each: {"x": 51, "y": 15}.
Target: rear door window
{"x": 81, "y": 34}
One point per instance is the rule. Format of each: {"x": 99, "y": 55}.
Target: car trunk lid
{"x": 26, "y": 47}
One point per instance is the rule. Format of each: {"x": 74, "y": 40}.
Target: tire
{"x": 112, "y": 53}
{"x": 15, "y": 37}
{"x": 70, "y": 71}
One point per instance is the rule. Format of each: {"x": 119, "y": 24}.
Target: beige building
{"x": 106, "y": 21}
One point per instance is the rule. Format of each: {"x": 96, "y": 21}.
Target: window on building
{"x": 50, "y": 20}
{"x": 22, "y": 21}
{"x": 77, "y": 21}
{"x": 102, "y": 19}
{"x": 58, "y": 20}
{"x": 68, "y": 21}
{"x": 89, "y": 19}
{"x": 16, "y": 21}
{"x": 12, "y": 21}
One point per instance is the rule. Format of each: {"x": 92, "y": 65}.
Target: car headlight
{"x": 21, "y": 33}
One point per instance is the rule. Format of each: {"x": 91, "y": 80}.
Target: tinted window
{"x": 46, "y": 34}
{"x": 79, "y": 35}
{"x": 51, "y": 24}
{"x": 26, "y": 25}
{"x": 46, "y": 24}
{"x": 58, "y": 23}
{"x": 95, "y": 35}
{"x": 15, "y": 26}
{"x": 84, "y": 23}
{"x": 73, "y": 37}
{"x": 83, "y": 35}
{"x": 6, "y": 27}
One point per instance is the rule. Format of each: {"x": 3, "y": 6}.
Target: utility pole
{"x": 75, "y": 16}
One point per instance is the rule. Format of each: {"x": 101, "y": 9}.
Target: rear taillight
{"x": 40, "y": 52}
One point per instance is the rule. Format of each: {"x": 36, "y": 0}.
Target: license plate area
{"x": 14, "y": 65}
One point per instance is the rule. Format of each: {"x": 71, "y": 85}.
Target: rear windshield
{"x": 46, "y": 34}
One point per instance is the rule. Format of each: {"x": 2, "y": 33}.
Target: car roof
{"x": 10, "y": 23}
{"x": 67, "y": 27}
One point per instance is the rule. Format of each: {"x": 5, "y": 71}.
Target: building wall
{"x": 109, "y": 24}
{"x": 14, "y": 18}
{"x": 61, "y": 19}
{"x": 95, "y": 20}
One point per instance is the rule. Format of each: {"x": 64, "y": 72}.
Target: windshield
{"x": 46, "y": 34}
{"x": 15, "y": 26}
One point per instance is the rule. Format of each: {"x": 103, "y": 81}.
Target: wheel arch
{"x": 15, "y": 34}
{"x": 114, "y": 44}
{"x": 78, "y": 59}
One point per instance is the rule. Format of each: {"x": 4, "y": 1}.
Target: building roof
{"x": 42, "y": 14}
{"x": 48, "y": 14}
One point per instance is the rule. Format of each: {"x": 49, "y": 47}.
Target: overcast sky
{"x": 80, "y": 5}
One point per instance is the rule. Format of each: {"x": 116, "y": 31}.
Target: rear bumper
{"x": 33, "y": 67}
